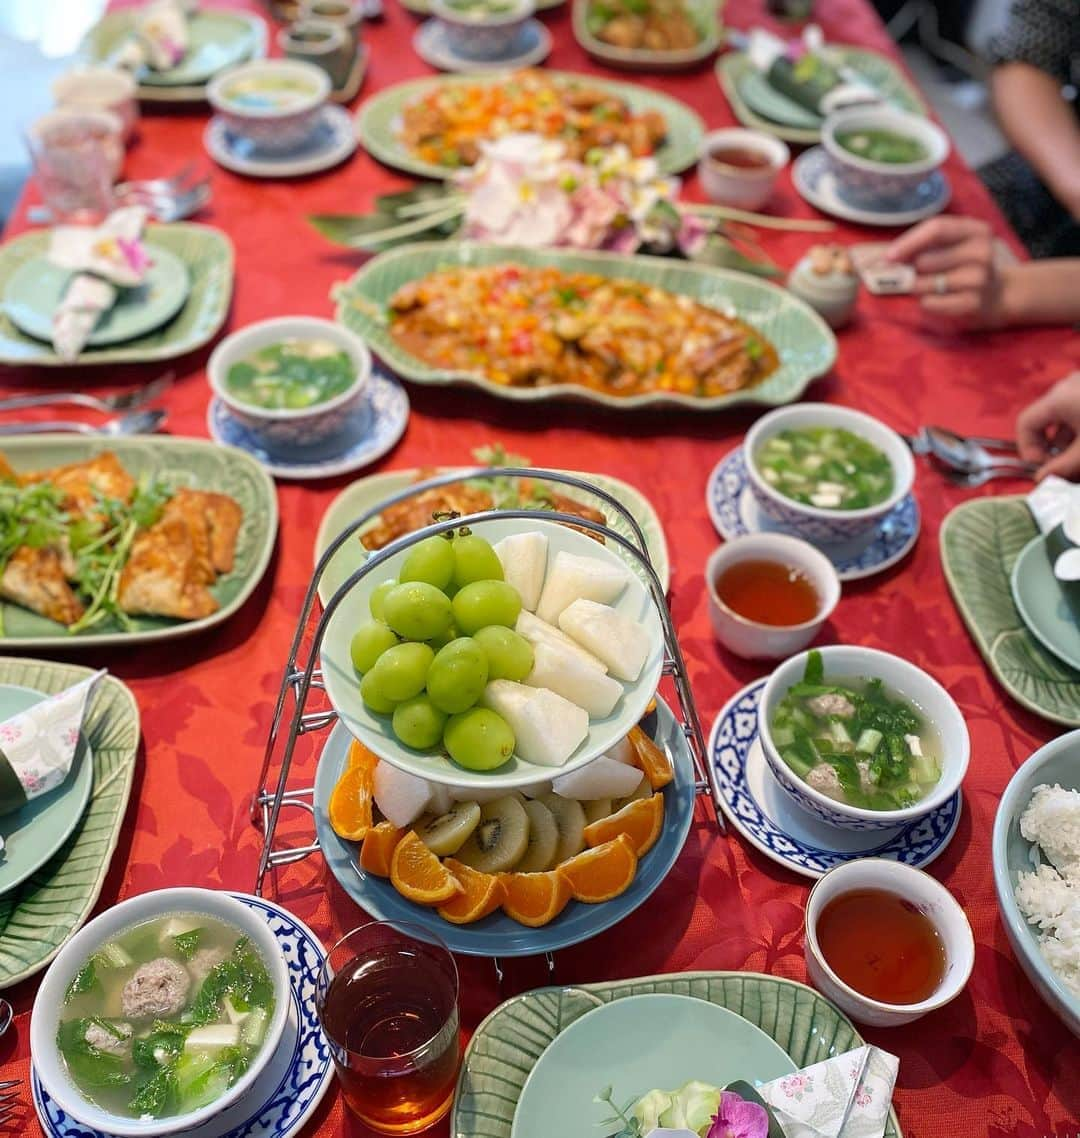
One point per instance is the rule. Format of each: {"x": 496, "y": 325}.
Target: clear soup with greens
{"x": 827, "y": 467}
{"x": 269, "y": 92}
{"x": 291, "y": 375}
{"x": 883, "y": 146}
{"x": 855, "y": 741}
{"x": 164, "y": 1018}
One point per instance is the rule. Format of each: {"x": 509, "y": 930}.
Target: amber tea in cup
{"x": 387, "y": 1002}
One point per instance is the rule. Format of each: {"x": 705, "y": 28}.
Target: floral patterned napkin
{"x": 160, "y": 39}
{"x": 38, "y": 746}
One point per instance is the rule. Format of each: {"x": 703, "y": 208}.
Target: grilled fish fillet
{"x": 80, "y": 481}
{"x": 162, "y": 576}
{"x": 34, "y": 578}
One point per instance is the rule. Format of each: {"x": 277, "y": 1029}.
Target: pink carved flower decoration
{"x": 738, "y": 1118}
{"x": 135, "y": 254}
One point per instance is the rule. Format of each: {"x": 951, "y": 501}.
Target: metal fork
{"x": 121, "y": 401}
{"x": 135, "y": 423}
{"x": 9, "y": 1100}
{"x": 170, "y": 185}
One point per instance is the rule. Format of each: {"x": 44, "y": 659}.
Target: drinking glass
{"x": 76, "y": 155}
{"x": 387, "y": 999}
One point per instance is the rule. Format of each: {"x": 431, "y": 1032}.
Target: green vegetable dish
{"x": 852, "y": 740}
{"x": 165, "y": 1017}
{"x": 827, "y": 467}
{"x": 291, "y": 375}
{"x": 883, "y": 146}
{"x": 479, "y": 9}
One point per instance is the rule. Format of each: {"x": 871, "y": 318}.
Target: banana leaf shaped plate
{"x": 806, "y": 346}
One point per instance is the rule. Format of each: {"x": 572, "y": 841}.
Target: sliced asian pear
{"x": 547, "y": 728}
{"x": 572, "y": 576}
{"x": 620, "y": 642}
{"x": 561, "y": 670}
{"x": 402, "y": 797}
{"x": 475, "y": 794}
{"x": 622, "y": 751}
{"x": 537, "y": 631}
{"x": 602, "y": 778}
{"x": 523, "y": 557}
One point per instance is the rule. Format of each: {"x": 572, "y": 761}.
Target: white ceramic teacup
{"x": 926, "y": 894}
{"x": 737, "y": 186}
{"x": 99, "y": 89}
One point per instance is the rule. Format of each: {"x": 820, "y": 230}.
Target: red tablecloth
{"x": 995, "y": 1062}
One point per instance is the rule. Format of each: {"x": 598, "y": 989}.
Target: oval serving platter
{"x": 379, "y": 121}
{"x": 805, "y": 343}
{"x": 704, "y": 13}
{"x": 178, "y": 462}
{"x": 498, "y": 934}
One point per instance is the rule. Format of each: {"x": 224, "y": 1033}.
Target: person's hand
{"x": 958, "y": 278}
{"x": 1048, "y": 430}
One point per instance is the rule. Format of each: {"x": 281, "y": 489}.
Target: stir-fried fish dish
{"x": 447, "y": 125}
{"x": 87, "y": 543}
{"x": 532, "y": 327}
{"x": 644, "y": 25}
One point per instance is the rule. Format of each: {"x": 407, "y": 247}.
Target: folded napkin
{"x": 1055, "y": 506}
{"x": 38, "y": 746}
{"x": 160, "y": 39}
{"x": 104, "y": 259}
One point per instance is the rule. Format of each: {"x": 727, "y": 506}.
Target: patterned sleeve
{"x": 1044, "y": 33}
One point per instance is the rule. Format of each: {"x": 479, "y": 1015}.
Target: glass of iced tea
{"x": 387, "y": 998}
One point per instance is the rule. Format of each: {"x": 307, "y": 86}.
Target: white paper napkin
{"x": 38, "y": 746}
{"x": 1055, "y": 501}
{"x": 160, "y": 38}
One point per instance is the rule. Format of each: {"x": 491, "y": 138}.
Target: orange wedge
{"x": 601, "y": 873}
{"x": 360, "y": 756}
{"x": 650, "y": 759}
{"x": 418, "y": 875}
{"x": 351, "y": 800}
{"x": 533, "y": 899}
{"x": 482, "y": 893}
{"x": 378, "y": 848}
{"x": 641, "y": 821}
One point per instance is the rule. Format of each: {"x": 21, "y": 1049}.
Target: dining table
{"x": 996, "y": 1062}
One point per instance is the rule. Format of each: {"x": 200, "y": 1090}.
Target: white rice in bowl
{"x": 1049, "y": 896}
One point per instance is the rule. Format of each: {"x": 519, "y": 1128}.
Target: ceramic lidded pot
{"x": 825, "y": 278}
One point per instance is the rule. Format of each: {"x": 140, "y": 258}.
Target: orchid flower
{"x": 738, "y": 1118}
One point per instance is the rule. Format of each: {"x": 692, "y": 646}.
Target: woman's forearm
{"x": 1041, "y": 126}
{"x": 1042, "y": 292}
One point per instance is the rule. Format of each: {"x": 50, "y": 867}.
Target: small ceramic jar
{"x": 347, "y": 14}
{"x": 321, "y": 42}
{"x": 826, "y": 280}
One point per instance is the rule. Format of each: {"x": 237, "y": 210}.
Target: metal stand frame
{"x": 300, "y": 679}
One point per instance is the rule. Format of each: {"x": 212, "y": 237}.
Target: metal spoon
{"x": 966, "y": 455}
{"x": 136, "y": 423}
{"x": 6, "y": 1016}
{"x": 974, "y": 478}
{"x": 981, "y": 440}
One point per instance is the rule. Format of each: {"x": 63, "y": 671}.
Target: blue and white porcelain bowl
{"x": 287, "y": 430}
{"x": 475, "y": 30}
{"x": 45, "y": 1018}
{"x": 881, "y": 185}
{"x": 847, "y": 661}
{"x": 812, "y": 523}
{"x": 272, "y": 103}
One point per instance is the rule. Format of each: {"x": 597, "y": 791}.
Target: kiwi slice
{"x": 596, "y": 809}
{"x": 500, "y": 839}
{"x": 445, "y": 834}
{"x": 570, "y": 818}
{"x": 543, "y": 840}
{"x": 644, "y": 790}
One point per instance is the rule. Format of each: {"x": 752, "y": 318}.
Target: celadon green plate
{"x": 379, "y": 122}
{"x": 34, "y": 833}
{"x": 505, "y": 1048}
{"x": 636, "y": 1045}
{"x": 219, "y": 38}
{"x": 36, "y": 288}
{"x": 423, "y": 8}
{"x": 760, "y": 107}
{"x": 806, "y": 345}
{"x": 705, "y": 14}
{"x": 206, "y": 255}
{"x": 1041, "y": 603}
{"x": 375, "y": 731}
{"x": 41, "y": 914}
{"x": 366, "y": 493}
{"x": 980, "y": 544}
{"x": 177, "y": 462}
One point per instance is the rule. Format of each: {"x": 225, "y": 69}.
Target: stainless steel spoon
{"x": 966, "y": 455}
{"x": 974, "y": 478}
{"x": 135, "y": 423}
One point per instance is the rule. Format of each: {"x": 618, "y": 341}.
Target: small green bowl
{"x": 1058, "y": 762}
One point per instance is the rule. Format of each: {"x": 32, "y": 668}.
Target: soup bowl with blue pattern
{"x": 821, "y": 525}
{"x": 851, "y": 665}
{"x": 272, "y": 104}
{"x": 483, "y": 30}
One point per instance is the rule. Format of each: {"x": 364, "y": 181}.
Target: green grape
{"x": 417, "y": 610}
{"x": 444, "y": 638}
{"x": 509, "y": 655}
{"x": 478, "y": 739}
{"x": 475, "y": 560}
{"x": 418, "y": 723}
{"x": 369, "y": 642}
{"x": 378, "y": 597}
{"x": 373, "y": 696}
{"x": 402, "y": 670}
{"x": 457, "y": 676}
{"x": 486, "y": 602}
{"x": 431, "y": 561}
